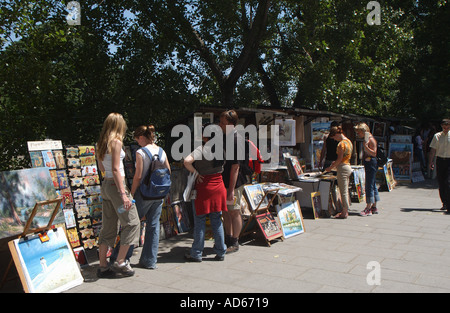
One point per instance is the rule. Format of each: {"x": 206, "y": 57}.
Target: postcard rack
{"x": 250, "y": 226}
{"x": 29, "y": 230}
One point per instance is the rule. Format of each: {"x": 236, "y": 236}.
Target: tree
{"x": 54, "y": 79}
{"x": 425, "y": 69}
{"x": 208, "y": 37}
{"x": 328, "y": 58}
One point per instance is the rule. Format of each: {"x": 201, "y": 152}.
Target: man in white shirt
{"x": 440, "y": 147}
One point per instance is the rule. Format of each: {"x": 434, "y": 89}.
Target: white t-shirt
{"x": 154, "y": 150}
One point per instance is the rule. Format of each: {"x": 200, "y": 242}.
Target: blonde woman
{"x": 115, "y": 195}
{"x": 342, "y": 163}
{"x": 370, "y": 169}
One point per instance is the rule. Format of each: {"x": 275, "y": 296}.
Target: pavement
{"x": 405, "y": 248}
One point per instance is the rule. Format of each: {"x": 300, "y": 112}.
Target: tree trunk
{"x": 227, "y": 90}
{"x": 268, "y": 85}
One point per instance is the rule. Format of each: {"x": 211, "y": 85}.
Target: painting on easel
{"x": 19, "y": 192}
{"x": 45, "y": 262}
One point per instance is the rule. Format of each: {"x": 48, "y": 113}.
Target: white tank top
{"x": 107, "y": 164}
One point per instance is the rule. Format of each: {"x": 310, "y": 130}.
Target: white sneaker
{"x": 124, "y": 268}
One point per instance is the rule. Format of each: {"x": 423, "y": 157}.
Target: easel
{"x": 249, "y": 225}
{"x": 26, "y": 231}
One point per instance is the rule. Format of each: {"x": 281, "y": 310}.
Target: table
{"x": 325, "y": 184}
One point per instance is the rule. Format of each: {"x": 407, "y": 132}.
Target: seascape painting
{"x": 48, "y": 264}
{"x": 19, "y": 192}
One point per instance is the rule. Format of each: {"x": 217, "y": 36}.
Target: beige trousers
{"x": 343, "y": 177}
{"x": 129, "y": 220}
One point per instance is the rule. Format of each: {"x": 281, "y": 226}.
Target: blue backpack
{"x": 156, "y": 183}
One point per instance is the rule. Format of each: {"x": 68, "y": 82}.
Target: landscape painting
{"x": 19, "y": 192}
{"x": 291, "y": 219}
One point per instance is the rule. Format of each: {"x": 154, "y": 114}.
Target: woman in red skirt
{"x": 210, "y": 200}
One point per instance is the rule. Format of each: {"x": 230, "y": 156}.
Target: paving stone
{"x": 409, "y": 238}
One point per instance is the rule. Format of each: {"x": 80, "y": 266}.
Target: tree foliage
{"x": 155, "y": 61}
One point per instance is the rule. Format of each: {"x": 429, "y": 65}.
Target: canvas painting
{"x": 47, "y": 265}
{"x": 401, "y": 155}
{"x": 19, "y": 192}
{"x": 316, "y": 204}
{"x": 294, "y": 167}
{"x": 359, "y": 178}
{"x": 319, "y": 130}
{"x": 36, "y": 159}
{"x": 255, "y": 194}
{"x": 389, "y": 175}
{"x": 182, "y": 218}
{"x": 378, "y": 129}
{"x": 269, "y": 226}
{"x": 286, "y": 131}
{"x": 291, "y": 219}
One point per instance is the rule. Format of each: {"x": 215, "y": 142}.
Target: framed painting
{"x": 316, "y": 201}
{"x": 294, "y": 167}
{"x": 45, "y": 262}
{"x": 379, "y": 129}
{"x": 255, "y": 196}
{"x": 319, "y": 131}
{"x": 269, "y": 226}
{"x": 291, "y": 219}
{"x": 286, "y": 131}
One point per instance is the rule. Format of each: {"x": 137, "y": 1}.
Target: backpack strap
{"x": 150, "y": 155}
{"x": 145, "y": 149}
{"x": 160, "y": 153}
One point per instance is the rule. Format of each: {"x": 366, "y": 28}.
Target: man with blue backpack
{"x": 151, "y": 184}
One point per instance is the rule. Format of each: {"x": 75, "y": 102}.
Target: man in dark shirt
{"x": 232, "y": 179}
{"x": 328, "y": 150}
